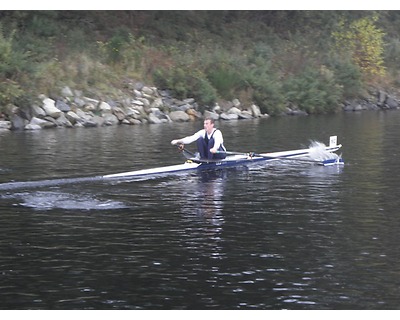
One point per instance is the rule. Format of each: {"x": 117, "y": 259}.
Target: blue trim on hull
{"x": 204, "y": 165}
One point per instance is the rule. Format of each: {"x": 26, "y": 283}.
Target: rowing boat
{"x": 239, "y": 159}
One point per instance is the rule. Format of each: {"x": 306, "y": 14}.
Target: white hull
{"x": 231, "y": 161}
{"x": 160, "y": 170}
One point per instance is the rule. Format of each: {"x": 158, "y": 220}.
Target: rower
{"x": 209, "y": 141}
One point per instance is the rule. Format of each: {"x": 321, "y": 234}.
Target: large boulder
{"x": 61, "y": 105}
{"x": 18, "y": 123}
{"x": 154, "y": 119}
{"x": 391, "y": 103}
{"x": 134, "y": 121}
{"x": 119, "y": 113}
{"x": 72, "y": 117}
{"x": 179, "y": 116}
{"x": 149, "y": 91}
{"x": 98, "y": 120}
{"x": 43, "y": 124}
{"x": 245, "y": 114}
{"x": 234, "y": 110}
{"x": 229, "y": 116}
{"x": 31, "y": 126}
{"x": 38, "y": 111}
{"x": 157, "y": 103}
{"x": 193, "y": 114}
{"x": 50, "y": 108}
{"x": 210, "y": 114}
{"x": 5, "y": 125}
{"x": 62, "y": 121}
{"x": 89, "y": 123}
{"x": 84, "y": 115}
{"x": 110, "y": 119}
{"x": 236, "y": 103}
{"x": 104, "y": 107}
{"x": 255, "y": 110}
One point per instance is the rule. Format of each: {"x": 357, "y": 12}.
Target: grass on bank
{"x": 258, "y": 57}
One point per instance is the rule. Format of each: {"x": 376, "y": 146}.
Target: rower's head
{"x": 209, "y": 125}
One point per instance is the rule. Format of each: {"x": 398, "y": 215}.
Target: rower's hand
{"x": 213, "y": 150}
{"x": 174, "y": 142}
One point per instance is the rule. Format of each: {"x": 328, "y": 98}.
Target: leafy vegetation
{"x": 310, "y": 60}
{"x": 363, "y": 41}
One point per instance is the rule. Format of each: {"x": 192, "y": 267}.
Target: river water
{"x": 282, "y": 235}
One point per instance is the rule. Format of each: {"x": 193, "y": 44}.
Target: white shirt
{"x": 218, "y": 139}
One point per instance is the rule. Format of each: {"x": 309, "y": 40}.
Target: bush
{"x": 266, "y": 87}
{"x": 186, "y": 84}
{"x": 12, "y": 64}
{"x": 314, "y": 91}
{"x": 349, "y": 76}
{"x": 9, "y": 92}
{"x": 392, "y": 58}
{"x": 364, "y": 41}
{"x": 44, "y": 24}
{"x": 113, "y": 49}
{"x": 225, "y": 79}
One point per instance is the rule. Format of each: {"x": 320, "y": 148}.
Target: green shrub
{"x": 44, "y": 24}
{"x": 10, "y": 91}
{"x": 186, "y": 83}
{"x": 392, "y": 58}
{"x": 12, "y": 65}
{"x": 313, "y": 90}
{"x": 349, "y": 76}
{"x": 112, "y": 50}
{"x": 266, "y": 87}
{"x": 225, "y": 79}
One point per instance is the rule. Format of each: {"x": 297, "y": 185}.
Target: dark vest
{"x": 204, "y": 144}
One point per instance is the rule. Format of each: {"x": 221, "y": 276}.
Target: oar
{"x": 252, "y": 154}
{"x": 332, "y": 161}
{"x": 186, "y": 153}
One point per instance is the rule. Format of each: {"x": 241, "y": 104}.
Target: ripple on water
{"x": 47, "y": 200}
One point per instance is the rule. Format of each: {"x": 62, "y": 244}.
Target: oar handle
{"x": 186, "y": 153}
{"x": 234, "y": 153}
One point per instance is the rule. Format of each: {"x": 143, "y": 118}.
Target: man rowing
{"x": 209, "y": 141}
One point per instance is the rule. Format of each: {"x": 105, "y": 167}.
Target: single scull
{"x": 238, "y": 159}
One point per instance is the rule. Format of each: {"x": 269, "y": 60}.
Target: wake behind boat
{"x": 317, "y": 154}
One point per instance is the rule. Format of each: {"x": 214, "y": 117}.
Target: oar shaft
{"x": 289, "y": 158}
{"x": 252, "y": 154}
{"x": 234, "y": 153}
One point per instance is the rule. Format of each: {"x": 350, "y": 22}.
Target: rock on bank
{"x": 143, "y": 105}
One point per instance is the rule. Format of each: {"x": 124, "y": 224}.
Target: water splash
{"x": 318, "y": 152}
{"x": 27, "y": 195}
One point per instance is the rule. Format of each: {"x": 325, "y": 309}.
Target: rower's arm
{"x": 188, "y": 139}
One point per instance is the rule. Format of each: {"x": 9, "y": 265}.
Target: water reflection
{"x": 204, "y": 195}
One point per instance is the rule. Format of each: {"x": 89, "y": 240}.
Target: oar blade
{"x": 332, "y": 162}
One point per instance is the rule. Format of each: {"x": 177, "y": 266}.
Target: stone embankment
{"x": 147, "y": 105}
{"x": 144, "y": 105}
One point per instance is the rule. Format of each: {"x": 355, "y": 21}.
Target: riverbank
{"x": 150, "y": 105}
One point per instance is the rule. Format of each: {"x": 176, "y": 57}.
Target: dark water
{"x": 277, "y": 236}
